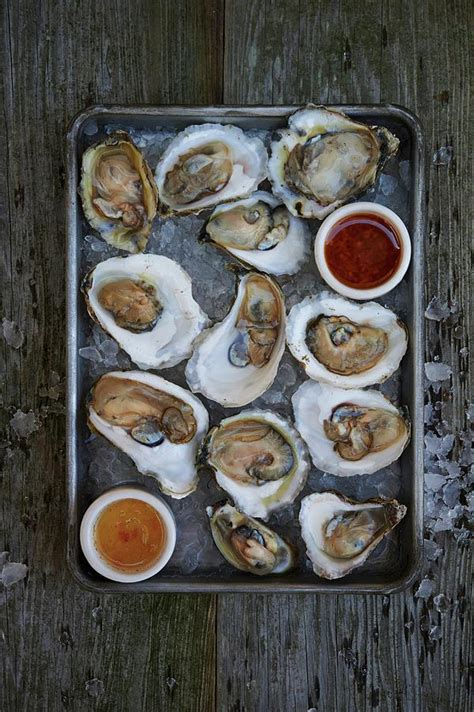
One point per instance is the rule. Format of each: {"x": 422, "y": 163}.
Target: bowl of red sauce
{"x": 128, "y": 534}
{"x": 362, "y": 250}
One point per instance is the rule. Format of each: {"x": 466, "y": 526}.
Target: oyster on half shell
{"x": 159, "y": 425}
{"x": 145, "y": 303}
{"x": 260, "y": 232}
{"x": 119, "y": 195}
{"x": 236, "y": 360}
{"x": 340, "y": 533}
{"x": 259, "y": 460}
{"x": 248, "y": 544}
{"x": 345, "y": 344}
{"x": 209, "y": 164}
{"x": 349, "y": 432}
{"x": 325, "y": 158}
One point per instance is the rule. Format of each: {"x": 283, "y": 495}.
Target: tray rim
{"x": 416, "y": 339}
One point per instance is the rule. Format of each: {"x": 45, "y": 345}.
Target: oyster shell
{"x": 259, "y": 459}
{"x": 247, "y": 544}
{"x": 119, "y": 195}
{"x": 156, "y": 423}
{"x": 145, "y": 303}
{"x": 324, "y": 159}
{"x": 340, "y": 533}
{"x": 349, "y": 432}
{"x": 260, "y": 232}
{"x": 209, "y": 164}
{"x": 236, "y": 360}
{"x": 345, "y": 344}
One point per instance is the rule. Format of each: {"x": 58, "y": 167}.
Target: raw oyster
{"x": 259, "y": 231}
{"x": 345, "y": 344}
{"x": 248, "y": 544}
{"x": 259, "y": 459}
{"x": 340, "y": 533}
{"x": 119, "y": 195}
{"x": 349, "y": 432}
{"x": 236, "y": 360}
{"x": 156, "y": 423}
{"x": 145, "y": 303}
{"x": 325, "y": 158}
{"x": 209, "y": 164}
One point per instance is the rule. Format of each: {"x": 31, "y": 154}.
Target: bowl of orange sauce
{"x": 362, "y": 250}
{"x": 128, "y": 534}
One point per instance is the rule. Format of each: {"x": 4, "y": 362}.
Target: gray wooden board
{"x": 63, "y": 648}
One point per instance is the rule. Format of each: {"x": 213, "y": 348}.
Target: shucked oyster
{"x": 248, "y": 544}
{"x": 349, "y": 432}
{"x": 345, "y": 344}
{"x": 119, "y": 195}
{"x": 145, "y": 303}
{"x": 324, "y": 158}
{"x": 259, "y": 459}
{"x": 236, "y": 360}
{"x": 156, "y": 423}
{"x": 259, "y": 231}
{"x": 340, "y": 533}
{"x": 209, "y": 164}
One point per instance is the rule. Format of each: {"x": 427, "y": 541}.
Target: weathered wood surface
{"x": 226, "y": 653}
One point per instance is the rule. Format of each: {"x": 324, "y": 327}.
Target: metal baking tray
{"x": 93, "y": 465}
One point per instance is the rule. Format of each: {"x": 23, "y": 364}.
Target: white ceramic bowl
{"x": 362, "y": 209}
{"x": 88, "y": 525}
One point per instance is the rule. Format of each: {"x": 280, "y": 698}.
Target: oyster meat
{"x": 259, "y": 459}
{"x": 145, "y": 303}
{"x": 260, "y": 232}
{"x": 340, "y": 533}
{"x": 209, "y": 164}
{"x": 349, "y": 432}
{"x": 156, "y": 423}
{"x": 325, "y": 158}
{"x": 247, "y": 544}
{"x": 346, "y": 344}
{"x": 236, "y": 360}
{"x": 119, "y": 195}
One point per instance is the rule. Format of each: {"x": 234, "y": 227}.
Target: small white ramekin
{"x": 362, "y": 209}
{"x": 88, "y": 526}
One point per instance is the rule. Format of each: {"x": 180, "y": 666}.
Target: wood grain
{"x": 148, "y": 652}
{"x": 240, "y": 653}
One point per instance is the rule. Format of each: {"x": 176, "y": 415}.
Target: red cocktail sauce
{"x": 363, "y": 251}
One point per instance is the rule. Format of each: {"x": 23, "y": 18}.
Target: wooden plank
{"x": 147, "y": 652}
{"x": 347, "y": 652}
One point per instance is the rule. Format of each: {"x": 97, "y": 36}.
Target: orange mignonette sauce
{"x": 363, "y": 251}
{"x": 130, "y": 535}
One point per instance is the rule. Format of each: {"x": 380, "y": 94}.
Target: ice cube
{"x": 437, "y": 371}
{"x": 425, "y": 589}
{"x": 90, "y": 353}
{"x": 109, "y": 347}
{"x": 433, "y": 481}
{"x": 441, "y": 603}
{"x": 443, "y": 156}
{"x": 12, "y": 573}
{"x": 435, "y": 633}
{"x": 432, "y": 550}
{"x": 24, "y": 424}
{"x": 451, "y": 493}
{"x": 437, "y": 310}
{"x": 94, "y": 687}
{"x": 12, "y": 334}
